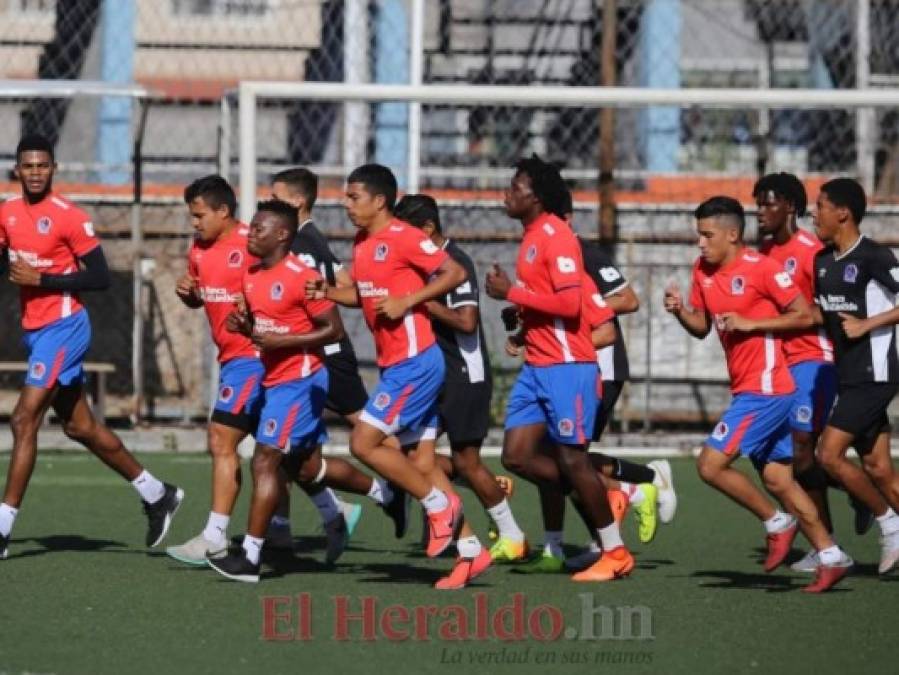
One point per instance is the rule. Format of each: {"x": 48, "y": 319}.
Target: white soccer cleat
{"x": 667, "y": 498}
{"x": 807, "y": 563}
{"x": 196, "y": 551}
{"x": 889, "y": 552}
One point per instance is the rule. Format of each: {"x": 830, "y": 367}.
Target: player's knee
{"x": 879, "y": 470}
{"x": 219, "y": 445}
{"x": 512, "y": 461}
{"x": 264, "y": 462}
{"x": 465, "y": 463}
{"x": 829, "y": 461}
{"x": 79, "y": 431}
{"x": 23, "y": 422}
{"x": 708, "y": 471}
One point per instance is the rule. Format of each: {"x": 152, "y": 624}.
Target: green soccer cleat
{"x": 351, "y": 514}
{"x": 646, "y": 513}
{"x": 545, "y": 563}
{"x": 507, "y": 551}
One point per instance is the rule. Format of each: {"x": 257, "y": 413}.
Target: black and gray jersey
{"x": 613, "y": 363}
{"x": 311, "y": 246}
{"x": 465, "y": 353}
{"x": 863, "y": 282}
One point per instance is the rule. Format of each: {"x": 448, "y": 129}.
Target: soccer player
{"x": 346, "y": 391}
{"x": 856, "y": 281}
{"x": 556, "y": 391}
{"x": 53, "y": 255}
{"x": 468, "y": 387}
{"x": 217, "y": 262}
{"x": 781, "y": 200}
{"x": 751, "y": 301}
{"x": 396, "y": 269}
{"x": 290, "y": 332}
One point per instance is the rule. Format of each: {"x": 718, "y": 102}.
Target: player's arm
{"x": 93, "y": 274}
{"x": 327, "y": 328}
{"x": 319, "y": 289}
{"x": 188, "y": 291}
{"x": 604, "y": 335}
{"x": 623, "y": 301}
{"x": 462, "y": 319}
{"x": 885, "y": 271}
{"x": 696, "y": 322}
{"x": 445, "y": 278}
{"x": 795, "y": 316}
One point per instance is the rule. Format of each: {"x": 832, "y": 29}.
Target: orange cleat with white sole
{"x": 779, "y": 545}
{"x": 614, "y": 564}
{"x": 443, "y": 525}
{"x": 465, "y": 570}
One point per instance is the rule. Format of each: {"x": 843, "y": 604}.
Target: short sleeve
{"x": 465, "y": 293}
{"x": 607, "y": 277}
{"x": 564, "y": 262}
{"x": 885, "y": 269}
{"x": 315, "y": 252}
{"x": 192, "y": 268}
{"x": 80, "y": 236}
{"x": 596, "y": 309}
{"x": 420, "y": 252}
{"x": 697, "y": 301}
{"x": 778, "y": 284}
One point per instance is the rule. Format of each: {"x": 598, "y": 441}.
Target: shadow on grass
{"x": 743, "y": 580}
{"x": 70, "y": 542}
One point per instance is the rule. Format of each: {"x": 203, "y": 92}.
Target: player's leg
{"x": 878, "y": 465}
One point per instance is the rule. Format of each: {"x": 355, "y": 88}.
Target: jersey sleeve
{"x": 312, "y": 307}
{"x": 596, "y": 309}
{"x": 465, "y": 293}
{"x": 777, "y": 283}
{"x": 697, "y": 301}
{"x": 420, "y": 252}
{"x": 607, "y": 277}
{"x": 315, "y": 253}
{"x": 79, "y": 234}
{"x": 885, "y": 269}
{"x": 192, "y": 268}
{"x": 564, "y": 262}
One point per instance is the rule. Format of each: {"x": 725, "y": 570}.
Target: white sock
{"x": 505, "y": 521}
{"x": 634, "y": 493}
{"x": 469, "y": 547}
{"x": 888, "y": 522}
{"x": 151, "y": 489}
{"x": 328, "y": 504}
{"x": 435, "y": 501}
{"x": 380, "y": 492}
{"x": 7, "y": 518}
{"x": 830, "y": 555}
{"x": 216, "y": 527}
{"x": 778, "y": 522}
{"x": 610, "y": 537}
{"x": 552, "y": 543}
{"x": 252, "y": 546}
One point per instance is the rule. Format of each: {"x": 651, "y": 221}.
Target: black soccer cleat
{"x": 160, "y": 514}
{"x": 397, "y": 509}
{"x": 236, "y": 566}
{"x": 864, "y": 517}
{"x": 4, "y": 541}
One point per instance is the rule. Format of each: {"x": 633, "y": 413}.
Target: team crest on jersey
{"x": 737, "y": 286}
{"x": 38, "y": 370}
{"x": 719, "y": 433}
{"x": 44, "y": 224}
{"x": 804, "y": 414}
{"x": 270, "y": 426}
{"x": 235, "y": 258}
{"x": 382, "y": 400}
{"x": 277, "y": 291}
{"x": 783, "y": 280}
{"x": 531, "y": 254}
{"x": 850, "y": 274}
{"x": 566, "y": 427}
{"x": 429, "y": 247}
{"x": 226, "y": 393}
{"x": 381, "y": 252}
{"x": 790, "y": 265}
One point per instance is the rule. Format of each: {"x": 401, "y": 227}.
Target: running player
{"x": 396, "y": 269}
{"x": 290, "y": 332}
{"x": 556, "y": 392}
{"x": 856, "y": 282}
{"x": 751, "y": 300}
{"x": 468, "y": 387}
{"x": 49, "y": 240}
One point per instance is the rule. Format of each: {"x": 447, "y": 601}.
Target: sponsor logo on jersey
{"x": 44, "y": 224}
{"x": 707, "y": 283}
{"x": 719, "y": 433}
{"x": 790, "y": 266}
{"x": 549, "y": 229}
{"x": 850, "y": 273}
{"x": 609, "y": 274}
{"x": 804, "y": 414}
{"x": 428, "y": 246}
{"x": 89, "y": 228}
{"x": 226, "y": 393}
{"x": 783, "y": 279}
{"x": 367, "y": 289}
{"x": 277, "y": 291}
{"x": 566, "y": 265}
{"x": 566, "y": 427}
{"x": 531, "y": 254}
{"x": 235, "y": 258}
{"x": 382, "y": 400}
{"x": 270, "y": 426}
{"x": 836, "y": 303}
{"x": 737, "y": 286}
{"x": 38, "y": 370}
{"x": 822, "y": 272}
{"x": 381, "y": 251}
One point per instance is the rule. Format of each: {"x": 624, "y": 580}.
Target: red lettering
{"x": 342, "y": 618}
{"x": 422, "y": 625}
{"x": 391, "y": 614}
{"x": 272, "y": 616}
{"x": 516, "y": 612}
{"x": 535, "y": 623}
{"x": 304, "y": 623}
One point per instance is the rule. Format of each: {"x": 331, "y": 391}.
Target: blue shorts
{"x": 564, "y": 397}
{"x": 816, "y": 390}
{"x": 405, "y": 401}
{"x": 56, "y": 351}
{"x": 757, "y": 426}
{"x": 291, "y": 415}
{"x": 240, "y": 387}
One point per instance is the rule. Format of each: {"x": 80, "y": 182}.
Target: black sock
{"x": 631, "y": 472}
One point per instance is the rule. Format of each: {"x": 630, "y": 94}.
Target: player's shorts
{"x": 756, "y": 426}
{"x": 564, "y": 397}
{"x": 465, "y": 411}
{"x": 239, "y": 394}
{"x": 291, "y": 415}
{"x": 611, "y": 390}
{"x": 56, "y": 351}
{"x": 816, "y": 389}
{"x": 346, "y": 391}
{"x": 405, "y": 401}
{"x": 861, "y": 410}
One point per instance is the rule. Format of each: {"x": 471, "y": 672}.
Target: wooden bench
{"x": 96, "y": 369}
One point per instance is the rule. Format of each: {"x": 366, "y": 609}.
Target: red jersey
{"x": 395, "y": 262}
{"x": 549, "y": 261}
{"x": 797, "y": 257}
{"x": 754, "y": 287}
{"x": 276, "y": 297}
{"x": 219, "y": 267}
{"x": 50, "y": 235}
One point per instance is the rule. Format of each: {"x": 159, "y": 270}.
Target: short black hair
{"x": 847, "y": 193}
{"x": 378, "y": 180}
{"x": 786, "y": 186}
{"x": 286, "y": 212}
{"x": 722, "y": 206}
{"x": 301, "y": 180}
{"x": 418, "y": 210}
{"x": 547, "y": 184}
{"x": 34, "y": 143}
{"x": 214, "y": 190}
